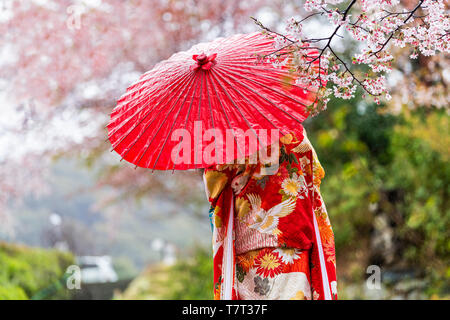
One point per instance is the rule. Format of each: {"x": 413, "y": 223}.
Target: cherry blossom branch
{"x": 378, "y": 23}
{"x": 396, "y": 30}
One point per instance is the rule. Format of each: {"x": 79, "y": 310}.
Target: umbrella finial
{"x": 203, "y": 61}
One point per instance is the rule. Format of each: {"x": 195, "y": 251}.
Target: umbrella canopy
{"x": 211, "y": 104}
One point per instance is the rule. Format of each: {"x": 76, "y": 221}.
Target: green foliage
{"x": 124, "y": 268}
{"x": 396, "y": 164}
{"x": 422, "y": 174}
{"x": 11, "y": 292}
{"x": 26, "y": 272}
{"x": 189, "y": 279}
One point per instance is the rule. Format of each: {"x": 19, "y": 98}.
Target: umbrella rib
{"x": 162, "y": 123}
{"x": 199, "y": 105}
{"x": 137, "y": 102}
{"x": 143, "y": 131}
{"x": 173, "y": 124}
{"x": 262, "y": 68}
{"x": 259, "y": 111}
{"x": 140, "y": 83}
{"x": 185, "y": 125}
{"x": 251, "y": 63}
{"x": 270, "y": 88}
{"x": 212, "y": 120}
{"x": 254, "y": 106}
{"x": 235, "y": 105}
{"x": 147, "y": 78}
{"x": 267, "y": 77}
{"x": 139, "y": 98}
{"x": 235, "y": 89}
{"x": 226, "y": 116}
{"x": 261, "y": 96}
{"x": 115, "y": 145}
{"x": 130, "y": 130}
{"x": 180, "y": 82}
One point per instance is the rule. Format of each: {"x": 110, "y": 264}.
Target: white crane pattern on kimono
{"x": 267, "y": 221}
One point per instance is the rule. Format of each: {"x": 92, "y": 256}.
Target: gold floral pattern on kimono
{"x": 256, "y": 208}
{"x": 274, "y": 273}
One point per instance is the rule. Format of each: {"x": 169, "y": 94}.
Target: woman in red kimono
{"x": 272, "y": 238}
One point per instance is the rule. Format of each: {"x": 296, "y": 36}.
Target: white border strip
{"x": 323, "y": 268}
{"x": 228, "y": 258}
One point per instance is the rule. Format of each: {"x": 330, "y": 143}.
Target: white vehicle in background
{"x": 96, "y": 269}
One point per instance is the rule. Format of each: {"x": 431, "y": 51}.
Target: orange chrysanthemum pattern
{"x": 268, "y": 264}
{"x": 278, "y": 211}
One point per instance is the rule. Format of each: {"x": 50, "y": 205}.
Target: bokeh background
{"x": 66, "y": 200}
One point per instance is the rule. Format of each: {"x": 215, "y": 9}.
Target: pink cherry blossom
{"x": 376, "y": 26}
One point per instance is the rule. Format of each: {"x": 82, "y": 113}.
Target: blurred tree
{"x": 414, "y": 26}
{"x": 26, "y": 272}
{"x": 65, "y": 63}
{"x": 386, "y": 187}
{"x": 189, "y": 279}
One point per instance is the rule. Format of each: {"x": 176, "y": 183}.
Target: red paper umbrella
{"x": 211, "y": 104}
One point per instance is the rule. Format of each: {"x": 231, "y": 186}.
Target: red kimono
{"x": 272, "y": 238}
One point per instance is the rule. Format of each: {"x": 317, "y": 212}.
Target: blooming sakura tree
{"x": 64, "y": 63}
{"x": 376, "y": 26}
{"x": 55, "y": 46}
